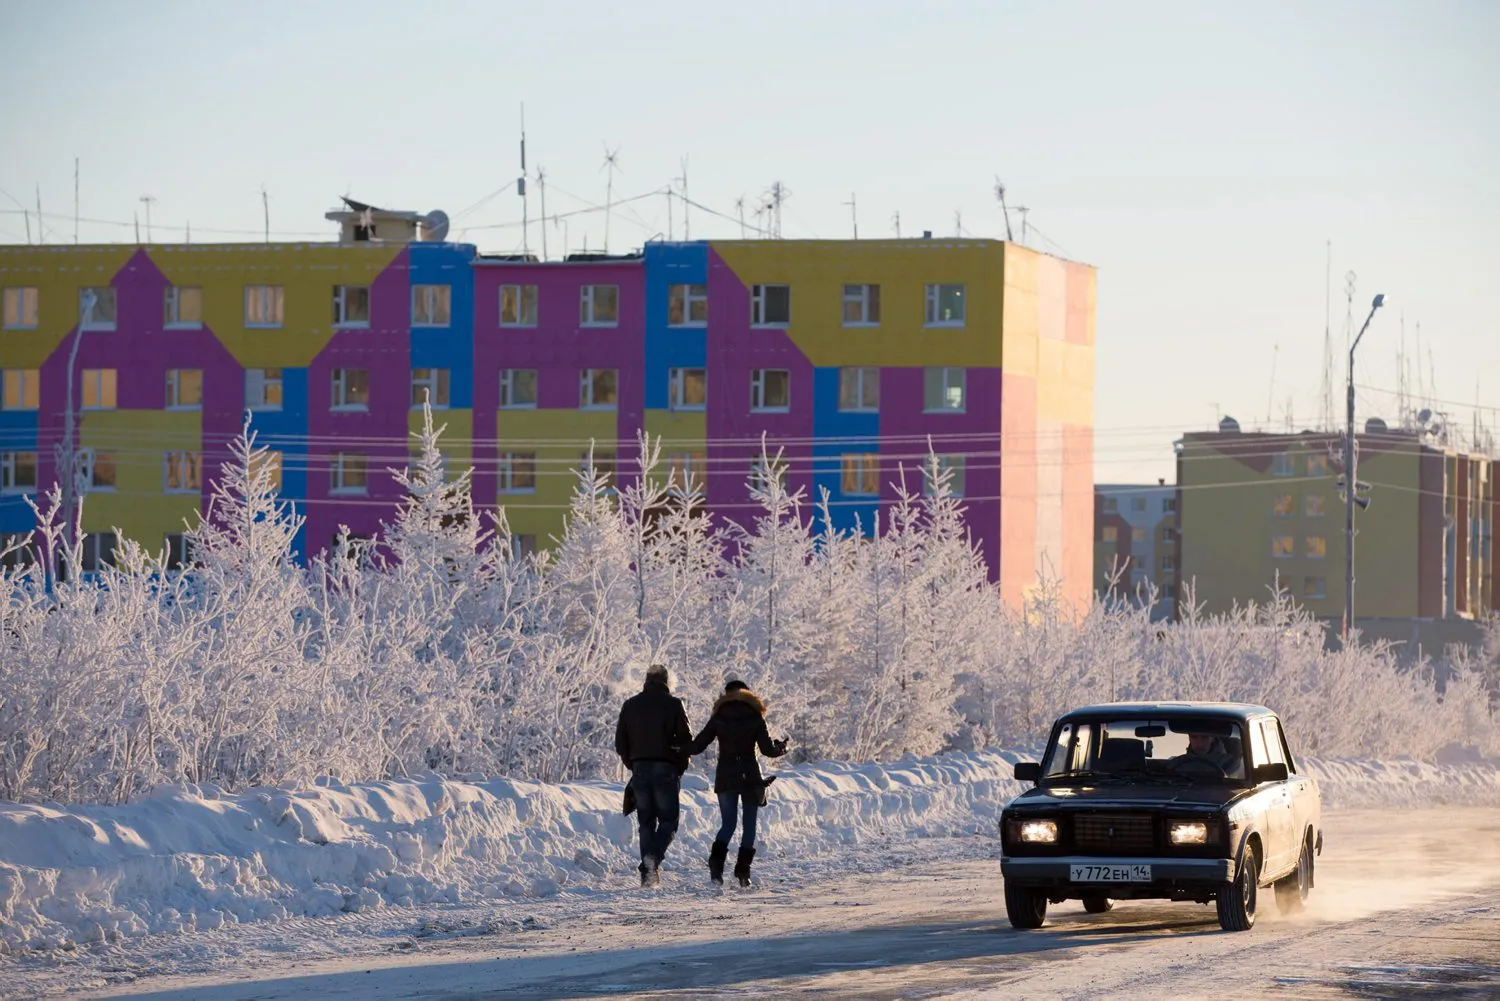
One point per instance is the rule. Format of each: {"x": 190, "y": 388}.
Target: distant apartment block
{"x": 1135, "y": 545}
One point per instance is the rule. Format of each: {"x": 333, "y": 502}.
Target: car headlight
{"x": 1039, "y": 832}
{"x": 1188, "y": 832}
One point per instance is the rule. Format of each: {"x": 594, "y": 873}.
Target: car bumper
{"x": 1054, "y": 871}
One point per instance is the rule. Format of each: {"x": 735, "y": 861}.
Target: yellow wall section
{"x": 138, "y": 507}
{"x": 58, "y": 274}
{"x": 818, "y": 270}
{"x": 559, "y": 438}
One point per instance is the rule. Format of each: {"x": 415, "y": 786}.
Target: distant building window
{"x": 859, "y": 388}
{"x": 1110, "y": 533}
{"x": 182, "y": 307}
{"x": 954, "y": 466}
{"x": 1317, "y": 465}
{"x": 770, "y": 389}
{"x": 1316, "y": 505}
{"x": 268, "y": 461}
{"x": 1138, "y": 505}
{"x": 99, "y": 388}
{"x": 687, "y": 470}
{"x": 1281, "y": 506}
{"x": 518, "y": 305}
{"x": 182, "y": 472}
{"x": 945, "y": 305}
{"x": 429, "y": 385}
{"x": 687, "y": 305}
{"x": 263, "y": 388}
{"x": 351, "y": 389}
{"x": 516, "y": 473}
{"x": 96, "y": 308}
{"x": 348, "y": 473}
{"x": 761, "y": 475}
{"x": 1111, "y": 505}
{"x": 264, "y": 305}
{"x": 22, "y": 308}
{"x": 861, "y": 475}
{"x": 22, "y": 386}
{"x": 1314, "y": 587}
{"x": 943, "y": 389}
{"x": 1169, "y": 505}
{"x": 1137, "y": 535}
{"x": 18, "y": 472}
{"x": 1168, "y": 563}
{"x": 1283, "y": 547}
{"x": 1317, "y": 547}
{"x": 599, "y": 305}
{"x": 351, "y": 305}
{"x": 98, "y": 551}
{"x": 770, "y": 305}
{"x": 861, "y": 305}
{"x": 606, "y": 464}
{"x": 1281, "y": 464}
{"x": 688, "y": 388}
{"x": 431, "y": 305}
{"x": 598, "y": 388}
{"x": 176, "y": 550}
{"x": 98, "y": 469}
{"x": 184, "y": 389}
{"x": 518, "y": 389}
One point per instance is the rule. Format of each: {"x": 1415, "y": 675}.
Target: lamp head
{"x": 1379, "y": 301}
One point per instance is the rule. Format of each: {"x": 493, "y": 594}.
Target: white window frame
{"x": 17, "y": 299}
{"x": 522, "y": 545}
{"x": 175, "y": 551}
{"x": 1283, "y": 464}
{"x": 677, "y": 389}
{"x": 691, "y": 295}
{"x": 958, "y": 483}
{"x": 1291, "y": 550}
{"x": 760, "y": 474}
{"x": 102, "y": 294}
{"x": 864, "y": 376}
{"x": 261, "y": 379}
{"x": 691, "y": 474}
{"x": 343, "y": 468}
{"x": 586, "y": 399}
{"x": 948, "y": 384}
{"x": 525, "y": 295}
{"x": 864, "y": 297}
{"x": 1314, "y": 594}
{"x": 88, "y": 459}
{"x": 438, "y": 382}
{"x": 101, "y": 375}
{"x": 273, "y": 458}
{"x": 758, "y": 404}
{"x": 267, "y": 300}
{"x": 10, "y": 466}
{"x": 22, "y": 379}
{"x": 863, "y": 466}
{"x": 588, "y": 306}
{"x": 342, "y": 295}
{"x": 189, "y": 467}
{"x": 935, "y": 300}
{"x": 175, "y": 378}
{"x": 92, "y": 546}
{"x": 605, "y": 462}
{"x": 505, "y": 473}
{"x": 427, "y": 301}
{"x": 758, "y": 307}
{"x": 340, "y": 380}
{"x": 508, "y": 381}
{"x": 172, "y": 300}
{"x": 1311, "y": 501}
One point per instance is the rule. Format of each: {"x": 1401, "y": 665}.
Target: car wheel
{"x": 1291, "y": 892}
{"x": 1097, "y": 905}
{"x": 1026, "y": 908}
{"x": 1237, "y": 899}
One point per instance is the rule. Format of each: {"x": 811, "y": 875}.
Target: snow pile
{"x": 1404, "y": 782}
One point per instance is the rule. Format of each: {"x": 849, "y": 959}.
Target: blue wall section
{"x": 450, "y": 347}
{"x": 829, "y": 422}
{"x": 285, "y": 431}
{"x": 18, "y": 433}
{"x": 669, "y": 264}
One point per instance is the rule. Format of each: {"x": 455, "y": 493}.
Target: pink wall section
{"x": 1018, "y": 515}
{"x": 1078, "y": 512}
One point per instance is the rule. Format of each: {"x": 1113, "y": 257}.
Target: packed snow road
{"x": 1404, "y": 907}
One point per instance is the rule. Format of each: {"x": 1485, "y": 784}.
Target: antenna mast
{"x": 687, "y": 225}
{"x": 75, "y": 200}
{"x": 739, "y": 207}
{"x": 265, "y": 204}
{"x": 611, "y": 164}
{"x": 1325, "y": 419}
{"x": 148, "y": 201}
{"x": 853, "y": 214}
{"x": 521, "y": 190}
{"x": 1271, "y": 394}
{"x": 41, "y": 230}
{"x": 541, "y": 187}
{"x": 896, "y": 221}
{"x": 1000, "y": 197}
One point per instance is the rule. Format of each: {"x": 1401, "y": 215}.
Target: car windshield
{"x": 1178, "y": 749}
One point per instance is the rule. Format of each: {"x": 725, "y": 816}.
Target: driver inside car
{"x": 1210, "y": 748}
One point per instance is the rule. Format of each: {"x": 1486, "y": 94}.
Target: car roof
{"x": 1232, "y": 710}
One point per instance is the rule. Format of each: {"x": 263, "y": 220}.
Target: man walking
{"x": 652, "y": 739}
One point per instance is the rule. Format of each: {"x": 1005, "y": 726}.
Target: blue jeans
{"x": 729, "y": 803}
{"x": 656, "y": 784}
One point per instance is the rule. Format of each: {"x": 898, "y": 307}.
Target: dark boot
{"x": 649, "y": 874}
{"x": 716, "y": 856}
{"x": 742, "y": 865}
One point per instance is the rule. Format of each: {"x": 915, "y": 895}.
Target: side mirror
{"x": 1028, "y": 771}
{"x": 1274, "y": 772}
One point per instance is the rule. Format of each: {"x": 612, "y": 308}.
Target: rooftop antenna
{"x": 148, "y": 201}
{"x": 521, "y": 190}
{"x": 1326, "y": 417}
{"x": 1271, "y": 395}
{"x": 265, "y": 204}
{"x": 1022, "y": 210}
{"x": 1000, "y": 196}
{"x": 541, "y": 187}
{"x": 1401, "y": 389}
{"x": 189, "y": 232}
{"x": 779, "y": 195}
{"x": 611, "y": 164}
{"x": 687, "y": 225}
{"x": 668, "y": 193}
{"x": 739, "y": 207}
{"x": 853, "y": 214}
{"x": 958, "y": 222}
{"x": 896, "y": 221}
{"x": 75, "y": 200}
{"x": 26, "y": 214}
{"x": 137, "y": 217}
{"x": 41, "y": 229}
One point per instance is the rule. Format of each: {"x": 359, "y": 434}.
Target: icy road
{"x": 1406, "y": 906}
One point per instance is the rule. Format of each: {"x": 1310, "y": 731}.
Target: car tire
{"x": 1097, "y": 905}
{"x": 1237, "y": 900}
{"x": 1291, "y": 892}
{"x": 1026, "y": 908}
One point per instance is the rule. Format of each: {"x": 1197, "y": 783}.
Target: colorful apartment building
{"x": 850, "y": 356}
{"x": 1257, "y": 510}
{"x": 1135, "y": 544}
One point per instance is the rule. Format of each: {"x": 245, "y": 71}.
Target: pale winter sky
{"x": 1199, "y": 155}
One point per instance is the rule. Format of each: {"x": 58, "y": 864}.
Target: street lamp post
{"x": 67, "y": 459}
{"x": 1351, "y": 481}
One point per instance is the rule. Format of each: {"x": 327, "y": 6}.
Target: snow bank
{"x": 190, "y": 859}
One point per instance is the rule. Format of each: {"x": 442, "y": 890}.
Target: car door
{"x": 1265, "y": 749}
{"x": 1305, "y": 808}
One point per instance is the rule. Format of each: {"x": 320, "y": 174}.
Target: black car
{"x": 1193, "y": 801}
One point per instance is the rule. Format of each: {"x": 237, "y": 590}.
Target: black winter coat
{"x": 653, "y": 726}
{"x": 739, "y": 725}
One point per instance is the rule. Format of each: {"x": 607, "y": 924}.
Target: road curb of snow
{"x": 191, "y": 859}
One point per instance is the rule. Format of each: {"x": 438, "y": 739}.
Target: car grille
{"x": 1114, "y": 833}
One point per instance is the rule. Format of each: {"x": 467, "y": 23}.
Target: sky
{"x": 1204, "y": 157}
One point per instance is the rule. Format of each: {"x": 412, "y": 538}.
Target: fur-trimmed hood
{"x": 744, "y": 695}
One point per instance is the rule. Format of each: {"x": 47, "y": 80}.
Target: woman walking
{"x": 738, "y": 723}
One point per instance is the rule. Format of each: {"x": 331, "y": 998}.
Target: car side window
{"x": 1063, "y": 752}
{"x": 1267, "y": 736}
{"x": 1279, "y": 734}
{"x": 1258, "y": 755}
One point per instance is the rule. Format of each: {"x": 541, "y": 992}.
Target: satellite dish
{"x": 1424, "y": 415}
{"x": 1375, "y": 426}
{"x": 435, "y": 226}
{"x": 1229, "y": 426}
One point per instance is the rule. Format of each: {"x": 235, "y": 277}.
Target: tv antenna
{"x": 1000, "y": 197}
{"x": 265, "y": 204}
{"x": 739, "y": 207}
{"x": 541, "y": 187}
{"x": 687, "y": 227}
{"x": 611, "y": 164}
{"x": 896, "y": 221}
{"x": 521, "y": 190}
{"x": 853, "y": 213}
{"x": 148, "y": 201}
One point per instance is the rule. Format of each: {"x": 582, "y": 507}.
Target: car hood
{"x": 1096, "y": 797}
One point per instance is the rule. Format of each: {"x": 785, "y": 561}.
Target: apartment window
{"x": 516, "y": 473}
{"x": 954, "y": 466}
{"x": 861, "y": 475}
{"x": 269, "y": 461}
{"x": 598, "y": 388}
{"x": 770, "y": 305}
{"x": 431, "y": 305}
{"x": 183, "y": 472}
{"x": 861, "y": 305}
{"x": 429, "y": 385}
{"x": 1169, "y": 505}
{"x": 1317, "y": 547}
{"x": 351, "y": 389}
{"x": 859, "y": 388}
{"x": 22, "y": 387}
{"x": 1317, "y": 465}
{"x": 761, "y": 475}
{"x": 351, "y": 305}
{"x": 1281, "y": 464}
{"x": 1283, "y": 547}
{"x": 688, "y": 388}
{"x": 599, "y": 305}
{"x": 687, "y": 305}
{"x": 98, "y": 469}
{"x": 1168, "y": 563}
{"x": 96, "y": 308}
{"x": 518, "y": 389}
{"x": 348, "y": 473}
{"x": 770, "y": 389}
{"x": 1137, "y": 535}
{"x": 184, "y": 389}
{"x": 177, "y": 550}
{"x": 1315, "y": 505}
{"x": 522, "y": 546}
{"x": 22, "y": 308}
{"x": 1314, "y": 587}
{"x": 605, "y": 464}
{"x": 18, "y": 472}
{"x": 1111, "y": 505}
{"x": 264, "y": 305}
{"x": 98, "y": 551}
{"x": 943, "y": 389}
{"x": 1281, "y": 506}
{"x": 687, "y": 470}
{"x": 1138, "y": 505}
{"x": 99, "y": 388}
{"x": 182, "y": 307}
{"x": 517, "y": 305}
{"x": 263, "y": 388}
{"x": 945, "y": 305}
